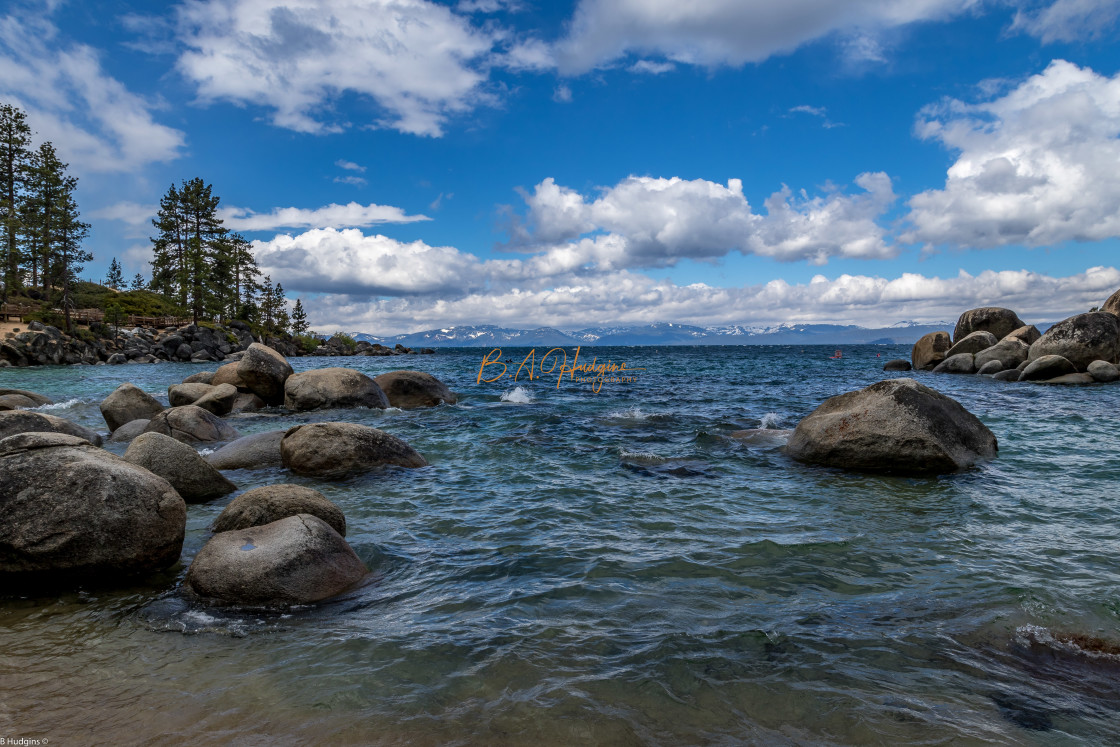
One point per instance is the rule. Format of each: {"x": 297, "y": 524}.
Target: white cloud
{"x": 660, "y": 221}
{"x": 488, "y": 6}
{"x": 562, "y": 94}
{"x": 1069, "y": 20}
{"x": 349, "y": 166}
{"x": 651, "y": 67}
{"x": 1035, "y": 166}
{"x": 354, "y": 181}
{"x": 626, "y": 298}
{"x": 330, "y": 216}
{"x": 419, "y": 61}
{"x": 96, "y": 123}
{"x": 727, "y": 32}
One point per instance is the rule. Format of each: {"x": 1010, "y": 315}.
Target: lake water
{"x": 615, "y": 568}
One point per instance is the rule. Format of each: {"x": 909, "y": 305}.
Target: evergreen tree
{"x": 138, "y": 283}
{"x": 244, "y": 275}
{"x": 280, "y": 303}
{"x": 266, "y": 310}
{"x": 15, "y": 158}
{"x": 114, "y": 279}
{"x": 51, "y": 221}
{"x": 190, "y": 258}
{"x": 299, "y": 319}
{"x": 168, "y": 250}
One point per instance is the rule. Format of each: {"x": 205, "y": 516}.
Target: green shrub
{"x": 346, "y": 340}
{"x": 308, "y": 343}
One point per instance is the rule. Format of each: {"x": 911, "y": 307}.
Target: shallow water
{"x": 616, "y": 568}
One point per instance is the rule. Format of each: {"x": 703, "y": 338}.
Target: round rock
{"x": 180, "y": 465}
{"x": 1112, "y": 304}
{"x": 930, "y": 350}
{"x": 270, "y": 503}
{"x": 1009, "y": 351}
{"x": 1081, "y": 339}
{"x": 412, "y": 389}
{"x": 22, "y": 421}
{"x": 897, "y": 365}
{"x": 219, "y": 400}
{"x": 1026, "y": 334}
{"x": 998, "y": 321}
{"x": 21, "y": 399}
{"x": 897, "y": 426}
{"x": 1012, "y": 374}
{"x": 296, "y": 560}
{"x": 72, "y": 508}
{"x": 128, "y": 431}
{"x": 191, "y": 424}
{"x": 258, "y": 451}
{"x": 1103, "y": 371}
{"x": 202, "y": 377}
{"x": 186, "y": 394}
{"x": 264, "y": 372}
{"x": 962, "y": 363}
{"x": 334, "y": 450}
{"x": 973, "y": 343}
{"x": 1047, "y": 367}
{"x": 227, "y": 374}
{"x": 128, "y": 402}
{"x": 991, "y": 368}
{"x": 332, "y": 387}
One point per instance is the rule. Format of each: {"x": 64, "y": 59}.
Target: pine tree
{"x": 280, "y": 304}
{"x": 244, "y": 275}
{"x": 51, "y": 221}
{"x": 114, "y": 279}
{"x": 266, "y": 310}
{"x": 138, "y": 283}
{"x": 15, "y": 158}
{"x": 299, "y": 319}
{"x": 168, "y": 248}
{"x": 190, "y": 252}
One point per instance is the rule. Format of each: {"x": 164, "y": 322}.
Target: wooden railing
{"x": 20, "y": 312}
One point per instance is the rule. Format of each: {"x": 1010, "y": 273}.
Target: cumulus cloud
{"x": 97, "y": 124}
{"x": 330, "y": 216}
{"x": 660, "y": 221}
{"x": 628, "y": 298}
{"x": 419, "y": 61}
{"x": 727, "y": 32}
{"x": 1035, "y": 166}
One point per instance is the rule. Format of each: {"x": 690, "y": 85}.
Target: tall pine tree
{"x": 299, "y": 319}
{"x": 191, "y": 261}
{"x": 114, "y": 278}
{"x": 15, "y": 158}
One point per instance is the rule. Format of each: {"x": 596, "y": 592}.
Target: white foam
{"x": 59, "y": 405}
{"x": 630, "y": 413}
{"x": 518, "y": 395}
{"x": 769, "y": 420}
{"x": 641, "y": 457}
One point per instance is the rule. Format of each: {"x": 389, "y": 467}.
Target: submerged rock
{"x": 270, "y": 503}
{"x": 258, "y": 451}
{"x": 412, "y": 389}
{"x": 897, "y": 365}
{"x": 180, "y": 465}
{"x": 897, "y": 426}
{"x": 332, "y": 387}
{"x": 296, "y": 560}
{"x": 21, "y": 399}
{"x": 126, "y": 403}
{"x": 71, "y": 508}
{"x": 334, "y": 450}
{"x": 22, "y": 421}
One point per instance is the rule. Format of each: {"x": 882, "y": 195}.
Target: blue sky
{"x": 403, "y": 165}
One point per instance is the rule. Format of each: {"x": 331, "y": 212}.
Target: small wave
{"x": 1078, "y": 643}
{"x": 769, "y": 421}
{"x": 518, "y": 395}
{"x": 642, "y": 457}
{"x": 206, "y": 452}
{"x": 59, "y": 405}
{"x": 630, "y": 413}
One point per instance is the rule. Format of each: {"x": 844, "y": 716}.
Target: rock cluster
{"x": 995, "y": 342}
{"x": 72, "y": 510}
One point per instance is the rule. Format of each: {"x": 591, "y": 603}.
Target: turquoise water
{"x": 616, "y": 568}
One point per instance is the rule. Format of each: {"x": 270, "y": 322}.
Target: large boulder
{"x": 897, "y": 426}
{"x": 1008, "y": 375}
{"x": 332, "y": 387}
{"x": 227, "y": 374}
{"x": 258, "y": 451}
{"x": 930, "y": 350}
{"x": 1047, "y": 367}
{"x": 334, "y": 450}
{"x": 973, "y": 343}
{"x": 202, "y": 377}
{"x": 991, "y": 368}
{"x": 71, "y": 508}
{"x": 1112, "y": 304}
{"x": 128, "y": 402}
{"x": 296, "y": 560}
{"x": 1103, "y": 371}
{"x": 22, "y": 421}
{"x": 36, "y": 399}
{"x": 411, "y": 389}
{"x": 191, "y": 424}
{"x": 128, "y": 431}
{"x": 1000, "y": 322}
{"x": 1081, "y": 339}
{"x": 1010, "y": 352}
{"x": 1026, "y": 334}
{"x": 270, "y": 503}
{"x": 264, "y": 372}
{"x": 961, "y": 363}
{"x": 219, "y": 400}
{"x": 187, "y": 394}
{"x": 180, "y": 465}
{"x": 247, "y": 402}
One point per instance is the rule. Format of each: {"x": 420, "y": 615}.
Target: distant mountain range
{"x": 664, "y": 334}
